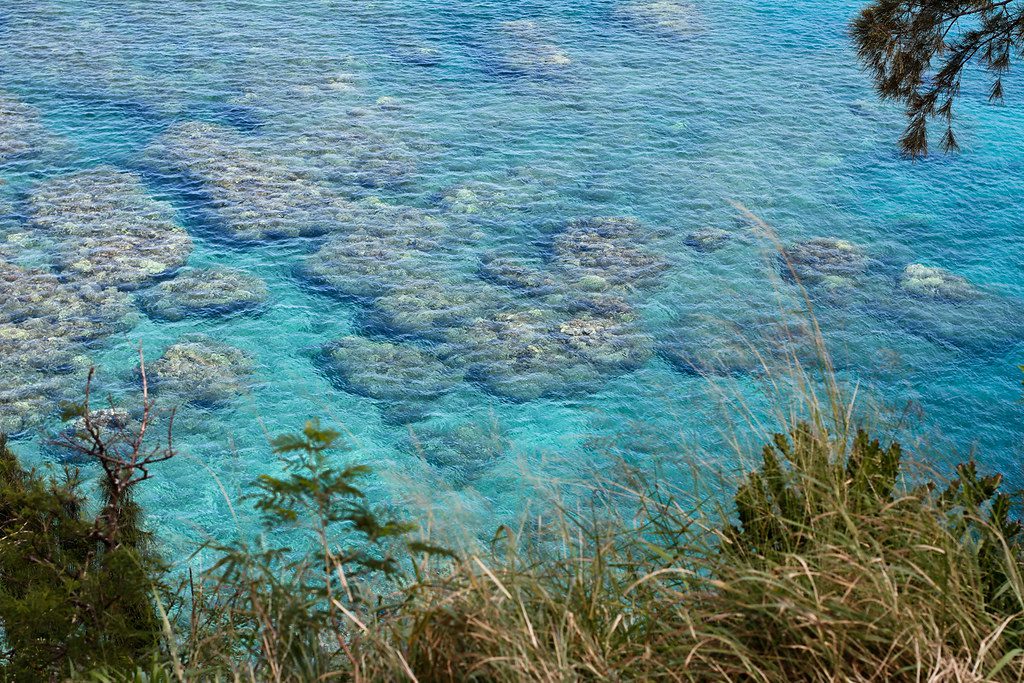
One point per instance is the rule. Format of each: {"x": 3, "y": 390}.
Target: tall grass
{"x": 825, "y": 562}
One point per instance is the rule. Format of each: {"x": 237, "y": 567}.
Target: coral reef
{"x": 362, "y": 266}
{"x": 75, "y": 311}
{"x": 460, "y": 453}
{"x": 824, "y": 262}
{"x": 471, "y": 198}
{"x": 525, "y": 353}
{"x": 20, "y": 128}
{"x": 36, "y": 371}
{"x": 389, "y": 247}
{"x": 402, "y": 376}
{"x": 353, "y": 149}
{"x": 608, "y": 252}
{"x": 518, "y": 274}
{"x": 44, "y": 326}
{"x": 948, "y": 310}
{"x": 675, "y": 18}
{"x": 107, "y": 230}
{"x": 201, "y": 370}
{"x": 428, "y": 307}
{"x": 254, "y": 194}
{"x": 205, "y": 292}
{"x": 418, "y": 53}
{"x": 929, "y": 282}
{"x": 525, "y": 48}
{"x": 708, "y": 239}
{"x": 737, "y": 340}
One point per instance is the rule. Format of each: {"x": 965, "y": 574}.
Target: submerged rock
{"x": 610, "y": 252}
{"x": 351, "y": 150}
{"x": 675, "y": 18}
{"x": 948, "y": 310}
{"x": 471, "y": 198}
{"x": 526, "y": 48}
{"x": 518, "y": 274}
{"x": 255, "y": 194}
{"x": 205, "y": 292}
{"x": 38, "y": 370}
{"x": 708, "y": 239}
{"x": 204, "y": 371}
{"x": 44, "y": 326}
{"x": 428, "y": 307}
{"x": 930, "y": 283}
{"x": 401, "y": 375}
{"x": 107, "y": 229}
{"x": 824, "y": 262}
{"x": 20, "y": 128}
{"x": 745, "y": 340}
{"x": 75, "y": 311}
{"x": 461, "y": 453}
{"x": 364, "y": 266}
{"x": 528, "y": 353}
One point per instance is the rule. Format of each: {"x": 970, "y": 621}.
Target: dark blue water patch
{"x": 240, "y": 117}
{"x": 983, "y": 328}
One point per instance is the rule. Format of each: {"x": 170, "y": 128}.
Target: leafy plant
{"x": 77, "y": 588}
{"x": 278, "y": 608}
{"x": 918, "y": 50}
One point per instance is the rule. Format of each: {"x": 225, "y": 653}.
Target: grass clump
{"x": 830, "y": 563}
{"x": 829, "y": 567}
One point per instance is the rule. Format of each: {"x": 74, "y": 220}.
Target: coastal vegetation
{"x": 834, "y": 558}
{"x": 831, "y": 552}
{"x": 919, "y": 51}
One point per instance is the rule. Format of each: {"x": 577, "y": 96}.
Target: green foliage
{"x": 918, "y": 50}
{"x": 274, "y": 607}
{"x": 784, "y": 505}
{"x": 828, "y": 566}
{"x": 805, "y": 481}
{"x": 834, "y": 569}
{"x": 67, "y": 599}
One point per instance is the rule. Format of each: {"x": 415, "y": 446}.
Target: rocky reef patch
{"x": 670, "y": 18}
{"x": 252, "y": 193}
{"x": 526, "y": 48}
{"x": 608, "y": 253}
{"x": 525, "y": 353}
{"x": 205, "y": 292}
{"x": 203, "y": 371}
{"x": 741, "y": 339}
{"x": 928, "y": 282}
{"x": 20, "y": 128}
{"x": 403, "y": 377}
{"x": 46, "y": 327}
{"x": 461, "y": 453}
{"x": 105, "y": 228}
{"x": 824, "y": 263}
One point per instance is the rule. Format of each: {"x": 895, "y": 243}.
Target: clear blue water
{"x": 546, "y": 112}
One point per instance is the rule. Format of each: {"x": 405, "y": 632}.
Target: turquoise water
{"x": 372, "y": 162}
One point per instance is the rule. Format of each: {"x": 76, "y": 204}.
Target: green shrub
{"x": 68, "y": 597}
{"x": 830, "y": 564}
{"x": 274, "y": 610}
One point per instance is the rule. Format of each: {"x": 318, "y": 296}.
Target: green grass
{"x": 827, "y": 565}
{"x": 826, "y": 561}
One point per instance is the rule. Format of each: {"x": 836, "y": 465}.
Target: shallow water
{"x": 497, "y": 125}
